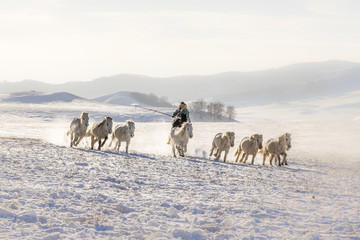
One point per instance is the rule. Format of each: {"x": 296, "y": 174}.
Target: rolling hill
{"x": 40, "y": 97}
{"x": 129, "y": 98}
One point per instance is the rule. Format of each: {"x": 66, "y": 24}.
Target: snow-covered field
{"x": 51, "y": 191}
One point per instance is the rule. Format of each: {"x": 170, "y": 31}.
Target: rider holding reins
{"x": 181, "y": 115}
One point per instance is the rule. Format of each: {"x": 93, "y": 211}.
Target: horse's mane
{"x": 104, "y": 120}
{"x": 181, "y": 131}
{"x": 225, "y": 139}
{"x": 130, "y": 122}
{"x": 226, "y": 135}
{"x": 282, "y": 138}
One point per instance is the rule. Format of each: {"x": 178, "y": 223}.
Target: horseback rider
{"x": 181, "y": 115}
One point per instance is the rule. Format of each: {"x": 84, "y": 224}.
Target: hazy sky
{"x": 77, "y": 40}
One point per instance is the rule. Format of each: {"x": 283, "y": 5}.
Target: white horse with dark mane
{"x": 123, "y": 133}
{"x": 78, "y": 129}
{"x": 180, "y": 137}
{"x": 100, "y": 130}
{"x": 276, "y": 147}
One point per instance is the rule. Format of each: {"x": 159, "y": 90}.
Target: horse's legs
{"x": 246, "y": 158}
{"x": 242, "y": 158}
{"x": 264, "y": 159}
{"x": 218, "y": 154}
{"x": 106, "y": 138}
{"x": 275, "y": 160}
{"x": 182, "y": 151}
{"x": 212, "y": 150}
{"x": 173, "y": 149}
{"x": 76, "y": 137}
{"x": 71, "y": 138}
{"x": 284, "y": 162}
{"x": 185, "y": 148}
{"x": 252, "y": 161}
{"x": 99, "y": 147}
{"x": 78, "y": 141}
{"x": 127, "y": 146}
{"x": 226, "y": 153}
{"x": 217, "y": 151}
{"x": 238, "y": 155}
{"x": 278, "y": 158}
{"x": 118, "y": 144}
{"x": 92, "y": 142}
{"x": 271, "y": 158}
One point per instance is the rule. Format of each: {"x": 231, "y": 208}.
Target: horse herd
{"x": 179, "y": 138}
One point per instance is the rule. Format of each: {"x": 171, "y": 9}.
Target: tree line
{"x": 216, "y": 110}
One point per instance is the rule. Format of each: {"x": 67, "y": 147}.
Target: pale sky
{"x": 79, "y": 40}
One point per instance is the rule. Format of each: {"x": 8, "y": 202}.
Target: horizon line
{"x": 180, "y": 75}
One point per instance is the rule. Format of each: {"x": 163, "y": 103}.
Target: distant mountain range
{"x": 119, "y": 98}
{"x": 295, "y": 82}
{"x": 39, "y": 97}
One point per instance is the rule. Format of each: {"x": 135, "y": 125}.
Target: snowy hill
{"x": 119, "y": 98}
{"x": 39, "y": 97}
{"x": 129, "y": 98}
{"x": 296, "y": 82}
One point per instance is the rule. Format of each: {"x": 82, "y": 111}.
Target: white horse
{"x": 222, "y": 142}
{"x": 180, "y": 137}
{"x": 99, "y": 131}
{"x": 276, "y": 147}
{"x": 250, "y": 146}
{"x": 123, "y": 133}
{"x": 78, "y": 129}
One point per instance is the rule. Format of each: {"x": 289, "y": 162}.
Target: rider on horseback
{"x": 181, "y": 115}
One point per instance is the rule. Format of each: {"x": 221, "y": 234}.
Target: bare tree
{"x": 230, "y": 112}
{"x": 219, "y": 108}
{"x": 211, "y": 108}
{"x": 198, "y": 106}
{"x": 216, "y": 109}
